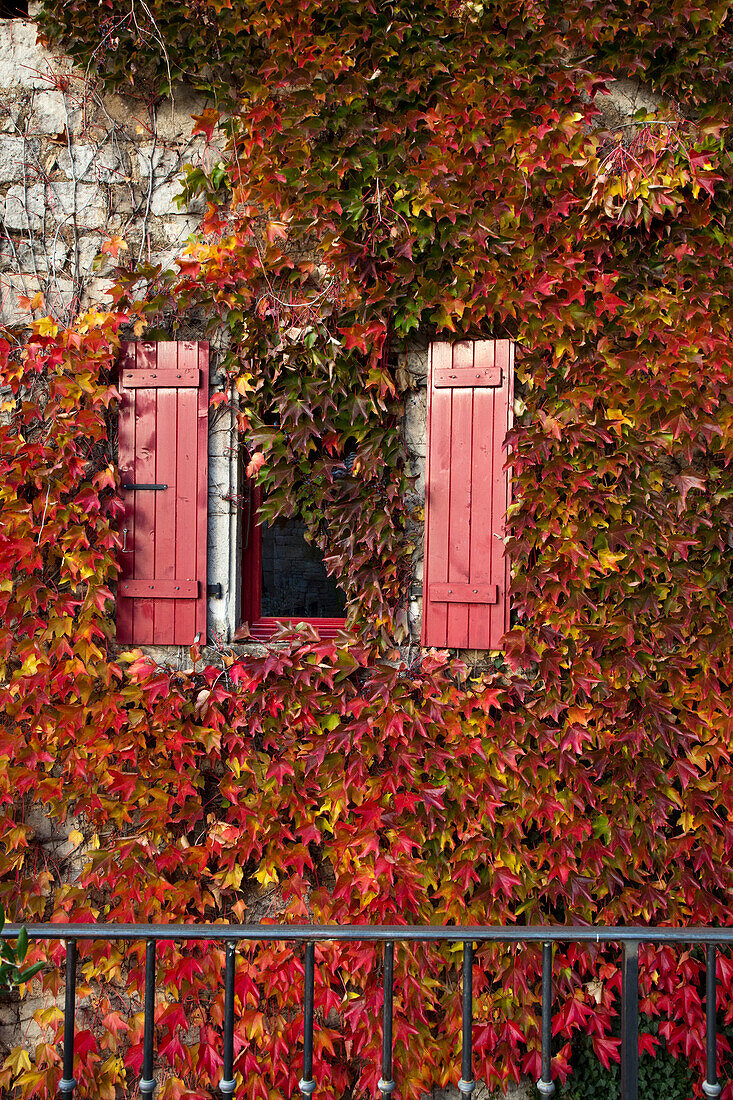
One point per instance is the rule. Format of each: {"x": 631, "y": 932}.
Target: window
{"x": 284, "y": 579}
{"x": 166, "y": 527}
{"x": 169, "y": 526}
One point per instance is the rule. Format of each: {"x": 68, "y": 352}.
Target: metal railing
{"x": 630, "y": 939}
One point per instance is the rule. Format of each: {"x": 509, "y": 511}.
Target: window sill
{"x": 263, "y": 629}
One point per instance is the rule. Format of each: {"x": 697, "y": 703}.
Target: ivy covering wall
{"x": 389, "y": 168}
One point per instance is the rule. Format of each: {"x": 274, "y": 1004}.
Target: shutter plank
{"x": 165, "y": 503}
{"x": 144, "y": 472}
{"x": 474, "y": 376}
{"x": 437, "y": 497}
{"x": 462, "y": 592}
{"x": 483, "y": 460}
{"x": 167, "y": 377}
{"x": 459, "y": 554}
{"x": 187, "y": 481}
{"x": 160, "y": 590}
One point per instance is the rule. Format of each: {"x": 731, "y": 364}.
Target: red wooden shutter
{"x": 163, "y": 440}
{"x": 466, "y": 573}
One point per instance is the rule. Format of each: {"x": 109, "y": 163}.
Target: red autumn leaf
{"x": 205, "y": 122}
{"x": 255, "y": 464}
{"x": 607, "y": 1049}
{"x": 685, "y": 481}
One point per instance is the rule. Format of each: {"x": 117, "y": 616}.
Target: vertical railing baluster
{"x": 147, "y": 1081}
{"x": 630, "y": 1021}
{"x": 307, "y": 1084}
{"x": 467, "y": 1084}
{"x": 67, "y": 1084}
{"x": 227, "y": 1084}
{"x": 386, "y": 1083}
{"x": 545, "y": 1085}
{"x": 710, "y": 1085}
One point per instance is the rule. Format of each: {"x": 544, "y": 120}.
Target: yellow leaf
{"x": 234, "y": 877}
{"x": 266, "y": 875}
{"x": 30, "y": 666}
{"x": 75, "y": 837}
{"x": 18, "y": 1060}
{"x": 48, "y": 1017}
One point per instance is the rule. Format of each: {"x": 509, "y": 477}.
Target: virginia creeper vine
{"x": 395, "y": 168}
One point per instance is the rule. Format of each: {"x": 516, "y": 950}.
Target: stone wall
{"x": 77, "y": 168}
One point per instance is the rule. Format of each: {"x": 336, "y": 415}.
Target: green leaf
{"x": 26, "y": 975}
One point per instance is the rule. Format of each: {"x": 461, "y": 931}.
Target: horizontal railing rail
{"x": 629, "y": 937}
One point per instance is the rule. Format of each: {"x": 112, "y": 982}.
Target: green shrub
{"x": 661, "y": 1076}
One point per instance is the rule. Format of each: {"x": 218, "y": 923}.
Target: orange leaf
{"x": 113, "y": 245}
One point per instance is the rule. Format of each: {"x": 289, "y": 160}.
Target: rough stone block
{"x": 179, "y": 229}
{"x": 166, "y": 257}
{"x": 163, "y": 195}
{"x": 416, "y": 363}
{"x": 95, "y": 292}
{"x": 23, "y": 63}
{"x": 174, "y": 119}
{"x": 625, "y": 98}
{"x": 50, "y": 114}
{"x": 118, "y": 108}
{"x": 58, "y": 293}
{"x": 11, "y": 313}
{"x": 15, "y": 152}
{"x": 48, "y": 257}
{"x": 24, "y": 207}
{"x": 89, "y": 247}
{"x": 45, "y": 828}
{"x": 86, "y": 200}
{"x": 156, "y": 158}
{"x": 11, "y": 112}
{"x": 90, "y": 163}
{"x": 26, "y": 1031}
{"x": 45, "y": 204}
{"x": 416, "y": 423}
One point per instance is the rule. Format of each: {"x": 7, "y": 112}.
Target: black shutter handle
{"x": 136, "y": 486}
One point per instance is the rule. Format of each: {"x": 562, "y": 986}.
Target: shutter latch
{"x": 136, "y": 486}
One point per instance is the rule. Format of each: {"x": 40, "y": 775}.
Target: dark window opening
{"x": 13, "y": 9}
{"x": 294, "y": 578}
{"x": 284, "y": 578}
